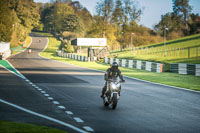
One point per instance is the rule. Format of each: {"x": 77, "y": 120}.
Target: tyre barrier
{"x": 183, "y": 68}
{"x": 72, "y": 56}
{"x": 138, "y": 64}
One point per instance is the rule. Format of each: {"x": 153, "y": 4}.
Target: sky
{"x": 152, "y": 9}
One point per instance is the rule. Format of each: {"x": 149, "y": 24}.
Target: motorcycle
{"x": 112, "y": 93}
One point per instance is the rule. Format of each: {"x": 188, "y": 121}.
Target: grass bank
{"x": 15, "y": 127}
{"x": 184, "y": 81}
{"x": 182, "y": 50}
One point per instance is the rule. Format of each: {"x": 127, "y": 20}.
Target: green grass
{"x": 8, "y": 66}
{"x": 184, "y": 81}
{"x": 15, "y": 127}
{"x": 27, "y": 42}
{"x": 180, "y": 56}
{"x": 187, "y": 41}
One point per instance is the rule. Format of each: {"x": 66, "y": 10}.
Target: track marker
{"x": 50, "y": 98}
{"x": 46, "y": 95}
{"x": 89, "y": 129}
{"x": 61, "y": 107}
{"x": 69, "y": 112}
{"x": 55, "y": 102}
{"x": 43, "y": 92}
{"x": 77, "y": 119}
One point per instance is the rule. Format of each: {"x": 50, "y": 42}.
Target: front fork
{"x": 114, "y": 93}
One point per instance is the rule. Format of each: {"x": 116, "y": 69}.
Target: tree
{"x": 104, "y": 9}
{"x": 183, "y": 9}
{"x": 169, "y": 20}
{"x": 71, "y": 23}
{"x": 6, "y": 21}
{"x": 118, "y": 13}
{"x": 60, "y": 17}
{"x": 23, "y": 17}
{"x": 194, "y": 24}
{"x": 68, "y": 47}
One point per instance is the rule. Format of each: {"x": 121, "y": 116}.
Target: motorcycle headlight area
{"x": 115, "y": 86}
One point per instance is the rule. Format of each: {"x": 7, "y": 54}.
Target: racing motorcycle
{"x": 112, "y": 93}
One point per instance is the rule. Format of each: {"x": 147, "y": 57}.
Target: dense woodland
{"x": 116, "y": 20}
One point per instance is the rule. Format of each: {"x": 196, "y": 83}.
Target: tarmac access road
{"x": 71, "y": 94}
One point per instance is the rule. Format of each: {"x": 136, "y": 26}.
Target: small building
{"x": 5, "y": 51}
{"x": 97, "y": 47}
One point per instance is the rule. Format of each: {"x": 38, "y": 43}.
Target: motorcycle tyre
{"x": 106, "y": 104}
{"x": 114, "y": 103}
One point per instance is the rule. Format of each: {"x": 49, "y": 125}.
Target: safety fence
{"x": 182, "y": 68}
{"x": 72, "y": 56}
{"x": 138, "y": 64}
{"x": 171, "y": 52}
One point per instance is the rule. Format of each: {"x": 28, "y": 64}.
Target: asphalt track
{"x": 143, "y": 107}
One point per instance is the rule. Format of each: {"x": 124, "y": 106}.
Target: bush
{"x": 68, "y": 47}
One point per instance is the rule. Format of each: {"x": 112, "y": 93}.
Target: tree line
{"x": 181, "y": 22}
{"x": 116, "y": 20}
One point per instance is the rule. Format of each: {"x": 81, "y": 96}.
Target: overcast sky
{"x": 153, "y": 9}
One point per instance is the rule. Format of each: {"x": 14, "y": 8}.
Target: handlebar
{"x": 121, "y": 81}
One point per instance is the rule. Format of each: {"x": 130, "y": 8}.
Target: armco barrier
{"x": 144, "y": 65}
{"x": 182, "y": 68}
{"x": 71, "y": 56}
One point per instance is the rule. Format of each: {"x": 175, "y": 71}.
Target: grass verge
{"x": 15, "y": 127}
{"x": 172, "y": 51}
{"x": 184, "y": 81}
{"x": 8, "y": 66}
{"x": 27, "y": 42}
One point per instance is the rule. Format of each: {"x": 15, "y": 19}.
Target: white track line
{"x": 55, "y": 102}
{"x": 61, "y": 107}
{"x": 69, "y": 112}
{"x": 50, "y": 98}
{"x": 89, "y": 129}
{"x": 46, "y": 95}
{"x": 77, "y": 119}
{"x": 44, "y": 116}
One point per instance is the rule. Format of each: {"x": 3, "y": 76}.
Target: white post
{"x": 130, "y": 63}
{"x": 111, "y": 60}
{"x": 148, "y": 66}
{"x": 182, "y": 68}
{"x": 197, "y": 71}
{"x": 139, "y": 64}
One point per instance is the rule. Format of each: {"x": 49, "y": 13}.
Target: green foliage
{"x": 68, "y": 47}
{"x": 180, "y": 22}
{"x": 17, "y": 19}
{"x": 60, "y": 17}
{"x": 182, "y": 8}
{"x": 194, "y": 24}
{"x": 85, "y": 20}
{"x": 6, "y": 21}
{"x": 71, "y": 23}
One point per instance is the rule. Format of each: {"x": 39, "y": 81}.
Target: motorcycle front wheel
{"x": 114, "y": 103}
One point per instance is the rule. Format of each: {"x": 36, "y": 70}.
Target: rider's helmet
{"x": 114, "y": 66}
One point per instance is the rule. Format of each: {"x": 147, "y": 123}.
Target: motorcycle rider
{"x": 112, "y": 73}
